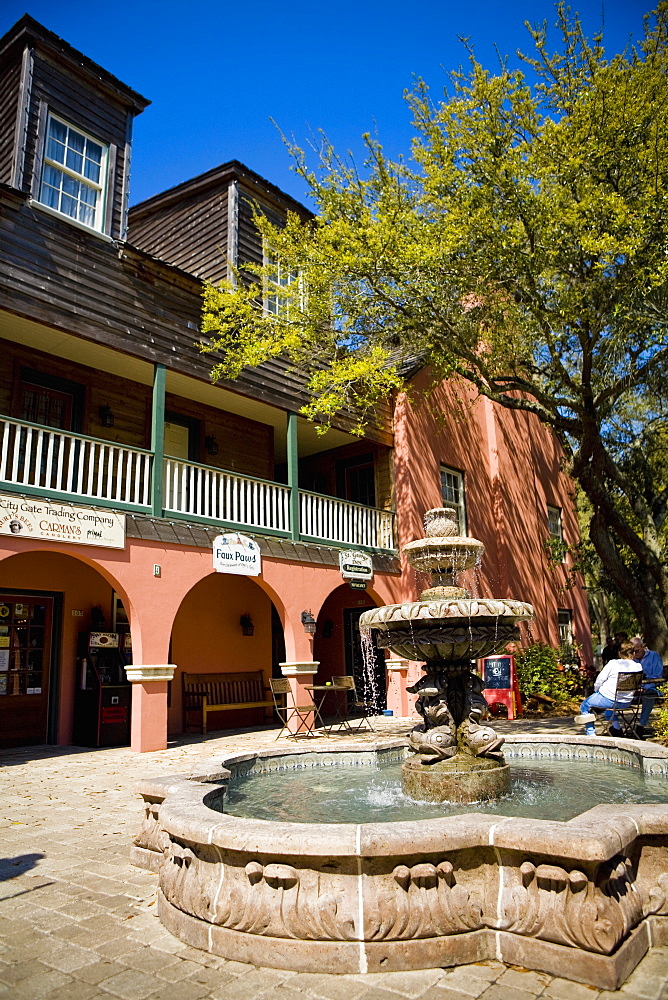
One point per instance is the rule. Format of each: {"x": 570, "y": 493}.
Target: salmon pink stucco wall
{"x": 330, "y": 651}
{"x": 161, "y": 609}
{"x": 207, "y": 638}
{"x": 512, "y": 471}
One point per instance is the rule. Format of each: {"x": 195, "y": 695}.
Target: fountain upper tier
{"x": 446, "y": 624}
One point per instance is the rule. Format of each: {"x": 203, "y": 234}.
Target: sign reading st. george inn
{"x": 355, "y": 565}
{"x": 235, "y": 553}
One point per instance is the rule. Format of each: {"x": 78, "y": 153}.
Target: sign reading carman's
{"x": 234, "y": 553}
{"x": 356, "y": 565}
{"x": 61, "y": 522}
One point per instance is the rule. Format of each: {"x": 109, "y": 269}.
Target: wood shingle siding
{"x": 9, "y": 102}
{"x": 55, "y": 274}
{"x": 191, "y": 235}
{"x": 51, "y": 91}
{"x": 44, "y": 75}
{"x": 189, "y": 225}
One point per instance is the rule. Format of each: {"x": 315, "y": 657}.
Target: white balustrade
{"x": 62, "y": 462}
{"x": 340, "y": 521}
{"x": 223, "y": 496}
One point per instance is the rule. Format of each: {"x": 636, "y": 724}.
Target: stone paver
{"x": 78, "y": 922}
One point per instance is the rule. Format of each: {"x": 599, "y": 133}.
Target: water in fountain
{"x": 356, "y": 791}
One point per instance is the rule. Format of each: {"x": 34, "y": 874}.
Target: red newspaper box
{"x": 501, "y": 687}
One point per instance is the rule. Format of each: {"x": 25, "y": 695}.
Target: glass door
{"x": 25, "y": 660}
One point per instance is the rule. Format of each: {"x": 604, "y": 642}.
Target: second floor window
{"x": 554, "y": 524}
{"x": 565, "y": 626}
{"x": 452, "y": 494}
{"x": 73, "y": 175}
{"x": 282, "y": 285}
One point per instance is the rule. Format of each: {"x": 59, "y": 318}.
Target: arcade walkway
{"x": 77, "y": 921}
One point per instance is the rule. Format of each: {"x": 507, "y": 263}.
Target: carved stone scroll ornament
{"x": 274, "y": 899}
{"x": 657, "y": 897}
{"x": 150, "y": 835}
{"x": 570, "y": 909}
{"x": 427, "y": 902}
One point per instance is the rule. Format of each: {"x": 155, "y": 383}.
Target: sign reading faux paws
{"x": 234, "y": 553}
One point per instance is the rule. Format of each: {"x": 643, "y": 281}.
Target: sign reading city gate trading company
{"x": 61, "y": 522}
{"x": 355, "y": 565}
{"x": 234, "y": 553}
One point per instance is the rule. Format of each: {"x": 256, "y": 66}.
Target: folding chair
{"x": 625, "y": 712}
{"x": 349, "y": 703}
{"x": 303, "y": 716}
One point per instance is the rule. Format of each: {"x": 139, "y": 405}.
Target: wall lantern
{"x": 106, "y": 416}
{"x": 247, "y": 627}
{"x": 211, "y": 445}
{"x": 308, "y": 621}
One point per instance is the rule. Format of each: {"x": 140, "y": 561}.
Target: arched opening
{"x": 48, "y": 603}
{"x": 337, "y": 645}
{"x": 225, "y": 625}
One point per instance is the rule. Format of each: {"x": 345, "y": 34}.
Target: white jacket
{"x": 606, "y": 682}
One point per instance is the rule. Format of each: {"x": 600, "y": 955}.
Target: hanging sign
{"x": 357, "y": 584}
{"x": 61, "y": 522}
{"x": 355, "y": 565}
{"x": 234, "y": 553}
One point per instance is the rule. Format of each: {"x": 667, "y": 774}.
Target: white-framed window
{"x": 554, "y": 523}
{"x": 452, "y": 494}
{"x": 565, "y": 626}
{"x": 280, "y": 276}
{"x": 74, "y": 173}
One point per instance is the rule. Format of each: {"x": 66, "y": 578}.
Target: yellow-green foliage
{"x": 660, "y": 724}
{"x": 521, "y": 246}
{"x": 513, "y": 243}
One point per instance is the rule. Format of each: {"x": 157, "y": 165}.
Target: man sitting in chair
{"x": 605, "y": 688}
{"x": 652, "y": 667}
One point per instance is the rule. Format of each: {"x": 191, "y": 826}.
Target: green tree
{"x": 521, "y": 246}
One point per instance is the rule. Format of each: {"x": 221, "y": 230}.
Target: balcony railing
{"x": 213, "y": 494}
{"x": 335, "y": 520}
{"x": 61, "y": 462}
{"x": 76, "y": 467}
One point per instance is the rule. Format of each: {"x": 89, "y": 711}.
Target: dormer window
{"x": 74, "y": 174}
{"x": 283, "y": 287}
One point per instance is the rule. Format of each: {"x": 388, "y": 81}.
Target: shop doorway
{"x": 27, "y": 668}
{"x": 371, "y": 684}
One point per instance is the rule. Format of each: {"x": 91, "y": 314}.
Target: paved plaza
{"x": 78, "y": 921}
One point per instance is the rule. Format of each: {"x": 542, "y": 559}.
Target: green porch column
{"x": 293, "y": 475}
{"x": 158, "y": 438}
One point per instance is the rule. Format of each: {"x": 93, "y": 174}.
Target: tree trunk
{"x": 640, "y": 593}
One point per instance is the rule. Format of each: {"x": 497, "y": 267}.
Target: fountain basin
{"x": 446, "y": 630}
{"x": 583, "y": 898}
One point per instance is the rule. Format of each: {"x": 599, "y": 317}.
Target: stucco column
{"x": 400, "y": 673}
{"x": 299, "y": 675}
{"x": 397, "y": 696}
{"x": 149, "y": 705}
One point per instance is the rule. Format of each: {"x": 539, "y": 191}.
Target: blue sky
{"x": 217, "y": 73}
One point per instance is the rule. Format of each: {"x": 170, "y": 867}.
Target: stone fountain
{"x": 583, "y": 898}
{"x": 459, "y": 759}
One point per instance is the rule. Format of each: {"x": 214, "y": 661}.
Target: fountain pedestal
{"x": 459, "y": 759}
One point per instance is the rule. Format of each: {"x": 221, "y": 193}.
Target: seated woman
{"x": 605, "y": 689}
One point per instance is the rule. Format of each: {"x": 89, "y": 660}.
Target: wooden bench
{"x": 204, "y": 693}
